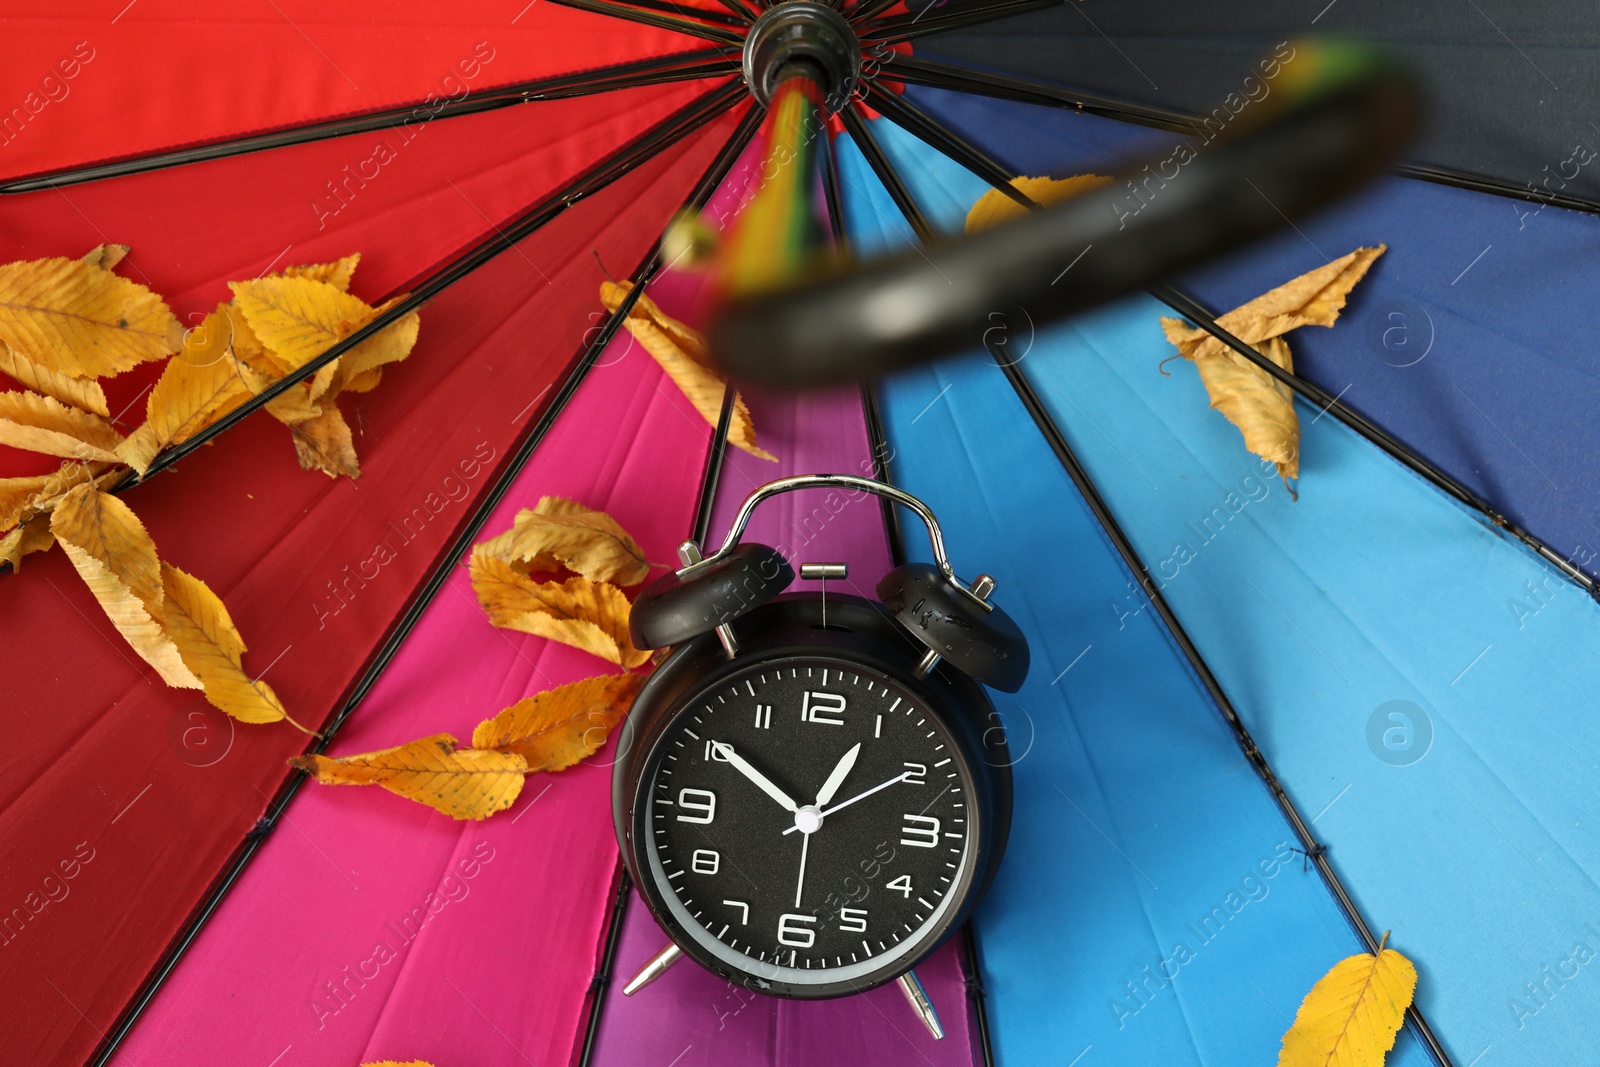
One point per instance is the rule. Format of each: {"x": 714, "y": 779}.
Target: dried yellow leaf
{"x": 132, "y": 619}
{"x": 561, "y": 532}
{"x": 103, "y": 527}
{"x": 1351, "y": 1016}
{"x": 25, "y": 539}
{"x": 289, "y": 407}
{"x": 681, "y": 352}
{"x": 336, "y": 274}
{"x": 298, "y": 319}
{"x": 592, "y": 616}
{"x": 106, "y": 257}
{"x": 324, "y": 444}
{"x": 44, "y": 424}
{"x": 557, "y": 728}
{"x": 994, "y": 206}
{"x": 210, "y": 646}
{"x": 79, "y": 319}
{"x": 365, "y": 382}
{"x": 82, "y": 393}
{"x": 389, "y": 345}
{"x": 197, "y": 387}
{"x": 461, "y": 783}
{"x": 1250, "y": 398}
{"x": 23, "y": 498}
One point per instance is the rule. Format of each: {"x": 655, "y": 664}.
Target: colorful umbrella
{"x": 362, "y": 928}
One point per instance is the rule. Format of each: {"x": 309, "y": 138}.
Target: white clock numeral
{"x": 916, "y": 774}
{"x": 763, "y": 716}
{"x": 714, "y": 751}
{"x": 827, "y": 708}
{"x": 920, "y": 831}
{"x": 701, "y": 801}
{"x": 902, "y": 883}
{"x": 745, "y": 908}
{"x": 795, "y": 930}
{"x": 853, "y": 920}
{"x": 706, "y": 861}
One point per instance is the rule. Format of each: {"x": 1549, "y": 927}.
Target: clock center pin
{"x": 808, "y": 820}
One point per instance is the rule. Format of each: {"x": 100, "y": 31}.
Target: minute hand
{"x": 859, "y": 796}
{"x": 766, "y": 785}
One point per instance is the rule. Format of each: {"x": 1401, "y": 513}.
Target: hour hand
{"x": 762, "y": 782}
{"x": 837, "y": 777}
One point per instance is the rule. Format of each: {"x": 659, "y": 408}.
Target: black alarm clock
{"x": 812, "y": 790}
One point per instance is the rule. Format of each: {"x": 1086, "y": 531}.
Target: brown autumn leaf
{"x": 80, "y": 319}
{"x": 462, "y": 783}
{"x": 85, "y": 394}
{"x": 210, "y": 646}
{"x": 44, "y": 424}
{"x": 681, "y": 352}
{"x": 557, "y": 728}
{"x": 25, "y": 539}
{"x": 324, "y": 444}
{"x": 197, "y": 387}
{"x": 592, "y": 616}
{"x": 1252, "y": 400}
{"x": 994, "y": 206}
{"x": 562, "y": 533}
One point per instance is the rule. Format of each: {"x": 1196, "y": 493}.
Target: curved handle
{"x": 1336, "y": 127}
{"x": 849, "y": 481}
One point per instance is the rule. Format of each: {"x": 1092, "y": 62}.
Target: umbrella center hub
{"x": 801, "y": 38}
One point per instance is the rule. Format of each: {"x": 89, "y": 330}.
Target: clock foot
{"x": 912, "y": 988}
{"x": 658, "y": 966}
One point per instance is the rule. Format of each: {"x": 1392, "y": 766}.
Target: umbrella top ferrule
{"x": 802, "y": 37}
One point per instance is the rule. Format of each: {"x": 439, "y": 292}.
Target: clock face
{"x": 808, "y": 821}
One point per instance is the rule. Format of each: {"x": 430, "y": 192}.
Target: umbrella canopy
{"x": 1177, "y": 742}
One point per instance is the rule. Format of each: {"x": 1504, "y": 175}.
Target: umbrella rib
{"x": 711, "y": 477}
{"x": 906, "y": 115}
{"x": 609, "y": 169}
{"x": 1080, "y": 478}
{"x": 908, "y": 28}
{"x": 736, "y": 17}
{"x": 924, "y": 70}
{"x": 676, "y": 23}
{"x": 879, "y": 162}
{"x": 679, "y": 66}
{"x": 867, "y": 9}
{"x": 1196, "y": 313}
{"x": 878, "y": 443}
{"x": 1315, "y": 852}
{"x": 583, "y": 362}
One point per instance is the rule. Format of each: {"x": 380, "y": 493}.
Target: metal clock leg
{"x": 912, "y": 988}
{"x": 659, "y": 964}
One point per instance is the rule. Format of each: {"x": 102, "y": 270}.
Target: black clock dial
{"x": 826, "y": 892}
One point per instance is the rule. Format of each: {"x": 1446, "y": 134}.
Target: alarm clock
{"x": 812, "y": 790}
